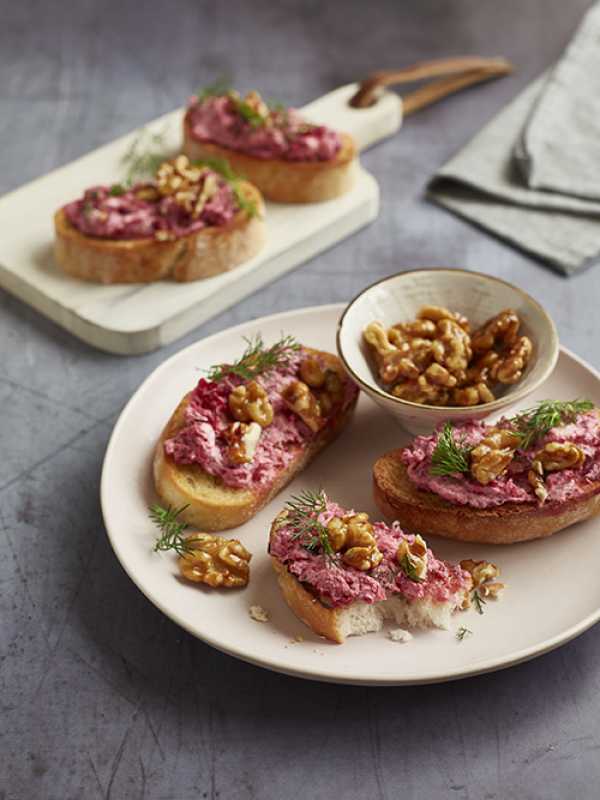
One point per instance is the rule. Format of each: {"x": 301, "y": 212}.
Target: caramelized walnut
{"x": 299, "y": 398}
{"x": 250, "y": 402}
{"x": 509, "y": 366}
{"x": 352, "y": 535}
{"x": 412, "y": 558}
{"x": 472, "y": 395}
{"x": 503, "y": 329}
{"x": 493, "y": 454}
{"x": 553, "y": 457}
{"x": 215, "y": 561}
{"x": 312, "y": 373}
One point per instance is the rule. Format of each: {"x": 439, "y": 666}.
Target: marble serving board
{"x": 135, "y": 318}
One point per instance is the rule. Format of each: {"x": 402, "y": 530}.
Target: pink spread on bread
{"x": 338, "y": 584}
{"x": 284, "y": 134}
{"x": 202, "y": 439}
{"x": 512, "y": 486}
{"x": 108, "y": 213}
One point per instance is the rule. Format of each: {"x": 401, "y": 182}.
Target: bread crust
{"x": 207, "y": 252}
{"x": 425, "y": 512}
{"x": 212, "y": 506}
{"x": 284, "y": 181}
{"x": 306, "y": 606}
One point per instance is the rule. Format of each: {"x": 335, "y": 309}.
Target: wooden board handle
{"x": 455, "y": 74}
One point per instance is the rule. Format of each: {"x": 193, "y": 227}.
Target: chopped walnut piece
{"x": 218, "y": 562}
{"x": 492, "y": 590}
{"x": 191, "y": 187}
{"x": 242, "y": 440}
{"x": 352, "y": 535}
{"x": 509, "y": 367}
{"x": 553, "y": 457}
{"x": 299, "y": 398}
{"x": 250, "y": 402}
{"x": 258, "y": 614}
{"x": 412, "y": 558}
{"x": 480, "y": 571}
{"x": 493, "y": 454}
{"x": 502, "y": 328}
{"x": 312, "y": 373}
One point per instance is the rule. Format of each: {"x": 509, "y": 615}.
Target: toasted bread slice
{"x": 207, "y": 252}
{"x": 284, "y": 181}
{"x": 359, "y": 617}
{"x": 427, "y": 513}
{"x": 213, "y": 506}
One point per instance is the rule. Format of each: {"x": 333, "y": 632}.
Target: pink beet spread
{"x": 512, "y": 486}
{"x": 201, "y": 441}
{"x": 125, "y": 216}
{"x": 286, "y": 135}
{"x": 339, "y": 584}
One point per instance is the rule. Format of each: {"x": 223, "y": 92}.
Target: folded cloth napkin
{"x": 532, "y": 175}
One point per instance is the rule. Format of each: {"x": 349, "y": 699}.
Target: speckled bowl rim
{"x": 499, "y": 402}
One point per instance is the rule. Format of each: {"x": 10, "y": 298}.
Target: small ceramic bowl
{"x": 477, "y": 296}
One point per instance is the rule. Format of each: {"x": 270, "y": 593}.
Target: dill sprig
{"x": 223, "y": 167}
{"x": 533, "y": 423}
{"x": 449, "y": 456}
{"x": 144, "y": 156}
{"x": 256, "y": 359}
{"x": 462, "y": 632}
{"x": 478, "y": 601}
{"x": 171, "y": 529}
{"x": 219, "y": 87}
{"x": 303, "y": 518}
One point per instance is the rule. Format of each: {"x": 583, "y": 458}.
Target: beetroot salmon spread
{"x": 266, "y": 134}
{"x": 142, "y": 212}
{"x": 512, "y": 486}
{"x": 339, "y": 585}
{"x": 202, "y": 439}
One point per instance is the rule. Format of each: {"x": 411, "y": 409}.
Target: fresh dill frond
{"x": 171, "y": 529}
{"x": 256, "y": 359}
{"x": 449, "y": 456}
{"x": 144, "y": 156}
{"x": 462, "y": 632}
{"x": 478, "y": 601}
{"x": 533, "y": 423}
{"x": 116, "y": 190}
{"x": 250, "y": 114}
{"x": 219, "y": 87}
{"x": 223, "y": 168}
{"x": 303, "y": 518}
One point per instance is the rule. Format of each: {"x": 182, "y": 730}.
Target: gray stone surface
{"x": 101, "y": 695}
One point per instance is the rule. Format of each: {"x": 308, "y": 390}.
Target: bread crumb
{"x": 399, "y": 635}
{"x": 298, "y": 638}
{"x": 258, "y": 614}
{"x": 319, "y": 652}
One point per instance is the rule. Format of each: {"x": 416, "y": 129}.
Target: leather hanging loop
{"x": 455, "y": 74}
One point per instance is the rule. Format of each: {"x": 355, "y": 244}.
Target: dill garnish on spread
{"x": 303, "y": 518}
{"x": 449, "y": 456}
{"x": 257, "y": 359}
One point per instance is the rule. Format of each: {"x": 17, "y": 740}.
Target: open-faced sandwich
{"x": 343, "y": 575}
{"x": 192, "y": 221}
{"x": 247, "y": 429}
{"x": 286, "y": 157}
{"x": 524, "y": 477}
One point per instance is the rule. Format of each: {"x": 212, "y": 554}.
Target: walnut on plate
{"x": 493, "y": 454}
{"x": 218, "y": 562}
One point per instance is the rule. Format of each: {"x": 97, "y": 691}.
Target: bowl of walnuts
{"x": 431, "y": 345}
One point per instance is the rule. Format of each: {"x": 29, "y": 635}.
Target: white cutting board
{"x": 135, "y": 318}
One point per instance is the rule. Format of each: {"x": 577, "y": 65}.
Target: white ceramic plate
{"x": 542, "y": 608}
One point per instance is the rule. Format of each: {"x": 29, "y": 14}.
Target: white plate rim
{"x": 272, "y": 664}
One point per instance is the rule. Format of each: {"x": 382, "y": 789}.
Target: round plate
{"x": 526, "y": 622}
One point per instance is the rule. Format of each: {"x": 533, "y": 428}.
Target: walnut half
{"x": 218, "y": 562}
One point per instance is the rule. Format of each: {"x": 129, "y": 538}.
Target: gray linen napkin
{"x": 485, "y": 182}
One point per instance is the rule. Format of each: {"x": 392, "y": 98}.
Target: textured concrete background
{"x": 101, "y": 695}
